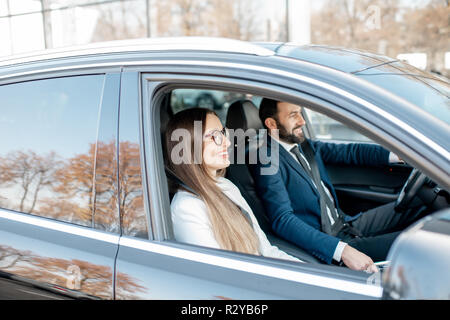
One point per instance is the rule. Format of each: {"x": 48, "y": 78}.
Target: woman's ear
{"x": 270, "y": 123}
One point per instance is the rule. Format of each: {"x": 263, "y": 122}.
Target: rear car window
{"x": 216, "y": 100}
{"x": 47, "y": 151}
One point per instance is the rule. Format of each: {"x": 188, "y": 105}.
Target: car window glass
{"x": 323, "y": 127}
{"x": 219, "y": 101}
{"x": 47, "y": 151}
{"x": 429, "y": 94}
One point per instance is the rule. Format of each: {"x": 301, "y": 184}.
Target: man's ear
{"x": 270, "y": 123}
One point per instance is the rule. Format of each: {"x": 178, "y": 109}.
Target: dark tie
{"x": 329, "y": 214}
{"x": 301, "y": 158}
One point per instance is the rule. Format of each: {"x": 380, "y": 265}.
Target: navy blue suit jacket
{"x": 291, "y": 200}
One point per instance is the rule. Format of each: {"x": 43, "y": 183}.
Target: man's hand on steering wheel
{"x": 409, "y": 190}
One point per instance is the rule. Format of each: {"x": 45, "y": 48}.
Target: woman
{"x": 207, "y": 209}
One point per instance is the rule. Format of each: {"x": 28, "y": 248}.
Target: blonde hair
{"x": 230, "y": 228}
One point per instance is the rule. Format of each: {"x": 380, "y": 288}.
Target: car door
{"x": 160, "y": 267}
{"x": 359, "y": 188}
{"x": 152, "y": 265}
{"x": 59, "y": 221}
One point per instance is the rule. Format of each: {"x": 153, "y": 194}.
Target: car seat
{"x": 243, "y": 114}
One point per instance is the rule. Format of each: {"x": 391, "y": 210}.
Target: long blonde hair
{"x": 230, "y": 228}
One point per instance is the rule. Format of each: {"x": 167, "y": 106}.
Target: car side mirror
{"x": 420, "y": 261}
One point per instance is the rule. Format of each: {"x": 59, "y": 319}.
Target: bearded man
{"x": 301, "y": 202}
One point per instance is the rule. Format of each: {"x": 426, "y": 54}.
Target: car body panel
{"x": 139, "y": 262}
{"x": 176, "y": 271}
{"x": 70, "y": 260}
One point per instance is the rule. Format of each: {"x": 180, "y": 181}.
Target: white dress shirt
{"x": 191, "y": 222}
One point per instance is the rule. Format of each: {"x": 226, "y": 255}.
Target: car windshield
{"x": 425, "y": 91}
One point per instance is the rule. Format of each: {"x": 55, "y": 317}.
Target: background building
{"x": 416, "y": 30}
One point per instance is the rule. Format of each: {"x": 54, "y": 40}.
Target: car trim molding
{"x": 59, "y": 226}
{"x": 327, "y": 86}
{"x": 251, "y": 267}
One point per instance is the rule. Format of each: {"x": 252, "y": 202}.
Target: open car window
{"x": 350, "y": 189}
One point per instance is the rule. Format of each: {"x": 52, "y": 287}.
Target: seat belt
{"x": 341, "y": 224}
{"x": 174, "y": 177}
{"x": 330, "y": 224}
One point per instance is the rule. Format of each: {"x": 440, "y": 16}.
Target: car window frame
{"x": 159, "y": 81}
{"x": 161, "y": 223}
{"x": 129, "y": 102}
{"x": 157, "y": 90}
{"x": 206, "y": 82}
{"x": 104, "y": 245}
{"x": 166, "y": 89}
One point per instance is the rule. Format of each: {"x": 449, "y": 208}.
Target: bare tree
{"x": 235, "y": 19}
{"x": 428, "y": 30}
{"x": 121, "y": 20}
{"x": 95, "y": 280}
{"x": 29, "y": 173}
{"x": 388, "y": 27}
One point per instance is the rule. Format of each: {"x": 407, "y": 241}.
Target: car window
{"x": 323, "y": 127}
{"x": 48, "y": 146}
{"x": 219, "y": 101}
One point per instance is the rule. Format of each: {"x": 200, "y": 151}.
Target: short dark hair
{"x": 268, "y": 109}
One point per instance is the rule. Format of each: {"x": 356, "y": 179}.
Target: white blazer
{"x": 191, "y": 223}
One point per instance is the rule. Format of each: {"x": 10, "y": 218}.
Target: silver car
{"x": 84, "y": 201}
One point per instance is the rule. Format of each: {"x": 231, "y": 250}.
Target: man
{"x": 302, "y": 204}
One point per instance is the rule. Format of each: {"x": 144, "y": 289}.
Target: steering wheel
{"x": 412, "y": 185}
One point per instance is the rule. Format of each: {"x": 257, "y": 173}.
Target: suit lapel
{"x": 284, "y": 154}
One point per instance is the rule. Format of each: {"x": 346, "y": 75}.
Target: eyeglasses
{"x": 218, "y": 135}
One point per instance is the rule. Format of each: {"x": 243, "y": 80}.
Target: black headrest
{"x": 243, "y": 114}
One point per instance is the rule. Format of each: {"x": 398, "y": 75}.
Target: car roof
{"x": 343, "y": 59}
{"x": 141, "y": 45}
{"x": 339, "y": 58}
